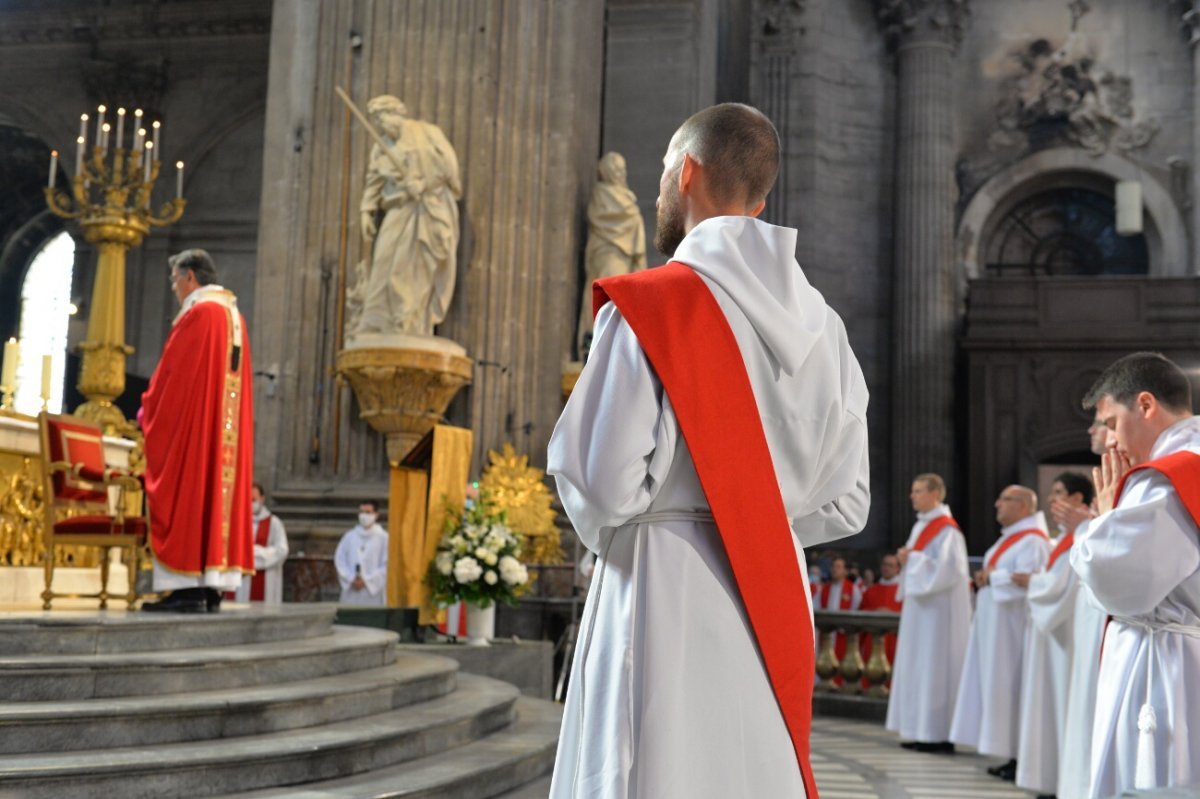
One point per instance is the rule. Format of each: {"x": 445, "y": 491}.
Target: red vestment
{"x": 672, "y": 312}
{"x": 881, "y": 596}
{"x": 199, "y": 428}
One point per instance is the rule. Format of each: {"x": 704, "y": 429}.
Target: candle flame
{"x": 83, "y": 117}
{"x": 120, "y": 112}
{"x": 101, "y": 109}
{"x": 149, "y": 145}
{"x": 79, "y": 140}
{"x": 54, "y": 153}
{"x": 142, "y": 132}
{"x": 137, "y": 113}
{"x": 157, "y": 124}
{"x": 179, "y": 165}
{"x": 106, "y": 127}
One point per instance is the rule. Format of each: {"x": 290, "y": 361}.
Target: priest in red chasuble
{"x": 198, "y": 421}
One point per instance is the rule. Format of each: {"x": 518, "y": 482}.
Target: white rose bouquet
{"x": 477, "y": 560}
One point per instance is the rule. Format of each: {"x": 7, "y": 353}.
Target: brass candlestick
{"x": 111, "y": 196}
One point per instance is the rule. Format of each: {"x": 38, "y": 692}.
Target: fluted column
{"x": 925, "y": 35}
{"x": 1191, "y": 21}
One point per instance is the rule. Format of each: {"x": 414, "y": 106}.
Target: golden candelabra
{"x": 111, "y": 198}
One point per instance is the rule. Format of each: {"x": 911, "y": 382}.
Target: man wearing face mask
{"x": 198, "y": 420}
{"x": 270, "y": 551}
{"x": 362, "y": 560}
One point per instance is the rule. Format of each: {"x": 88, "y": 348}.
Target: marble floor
{"x": 860, "y": 760}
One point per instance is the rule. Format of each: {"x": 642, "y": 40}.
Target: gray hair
{"x": 199, "y": 262}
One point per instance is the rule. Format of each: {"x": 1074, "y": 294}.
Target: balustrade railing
{"x": 854, "y": 625}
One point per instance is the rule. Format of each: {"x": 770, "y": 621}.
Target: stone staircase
{"x": 252, "y": 702}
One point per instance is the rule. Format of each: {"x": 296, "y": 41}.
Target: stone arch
{"x": 1165, "y": 229}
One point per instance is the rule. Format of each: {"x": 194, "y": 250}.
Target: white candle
{"x": 178, "y": 179}
{"x": 12, "y": 352}
{"x": 53, "y": 168}
{"x": 120, "y": 128}
{"x": 47, "y": 365}
{"x": 79, "y": 155}
{"x": 138, "y": 138}
{"x": 100, "y": 122}
{"x": 83, "y": 118}
{"x": 149, "y": 158}
{"x": 157, "y": 129}
{"x": 104, "y": 131}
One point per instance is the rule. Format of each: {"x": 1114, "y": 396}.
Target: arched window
{"x": 45, "y": 310}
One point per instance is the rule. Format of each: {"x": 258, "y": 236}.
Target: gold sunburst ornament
{"x": 513, "y": 486}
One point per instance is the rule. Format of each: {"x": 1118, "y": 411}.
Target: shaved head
{"x": 1015, "y": 503}
{"x": 738, "y": 148}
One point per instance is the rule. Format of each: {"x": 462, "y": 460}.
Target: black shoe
{"x": 1008, "y": 771}
{"x": 212, "y": 600}
{"x": 914, "y": 745}
{"x": 1046, "y": 796}
{"x": 183, "y": 601}
{"x": 939, "y": 748}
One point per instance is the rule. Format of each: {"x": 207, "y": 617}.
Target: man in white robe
{"x": 362, "y": 560}
{"x": 989, "y": 694}
{"x": 935, "y": 622}
{"x": 1141, "y": 558}
{"x": 1049, "y": 646}
{"x": 1088, "y": 622}
{"x": 669, "y": 696}
{"x": 270, "y": 552}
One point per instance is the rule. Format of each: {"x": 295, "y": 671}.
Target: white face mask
{"x": 366, "y": 519}
{"x": 255, "y": 507}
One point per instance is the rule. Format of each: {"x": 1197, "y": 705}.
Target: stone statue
{"x": 405, "y": 282}
{"x": 616, "y": 242}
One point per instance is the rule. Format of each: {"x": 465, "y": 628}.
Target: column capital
{"x": 923, "y": 21}
{"x": 1191, "y": 21}
{"x": 778, "y": 21}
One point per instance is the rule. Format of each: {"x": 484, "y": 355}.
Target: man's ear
{"x": 758, "y": 209}
{"x": 688, "y": 171}
{"x": 1146, "y": 404}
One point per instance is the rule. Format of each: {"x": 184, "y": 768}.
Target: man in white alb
{"x": 1049, "y": 646}
{"x": 989, "y": 694}
{"x": 362, "y": 560}
{"x": 671, "y": 692}
{"x": 935, "y": 622}
{"x": 270, "y": 552}
{"x": 1141, "y": 558}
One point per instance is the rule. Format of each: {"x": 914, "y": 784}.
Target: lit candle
{"x": 157, "y": 129}
{"x": 138, "y": 138}
{"x": 100, "y": 122}
{"x": 178, "y": 179}
{"x": 120, "y": 128}
{"x": 149, "y": 158}
{"x": 104, "y": 131}
{"x": 53, "y": 168}
{"x": 83, "y": 118}
{"x": 12, "y": 352}
{"x": 47, "y": 365}
{"x": 79, "y": 154}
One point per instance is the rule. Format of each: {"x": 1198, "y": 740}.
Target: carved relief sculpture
{"x": 1057, "y": 94}
{"x": 616, "y": 242}
{"x": 410, "y": 220}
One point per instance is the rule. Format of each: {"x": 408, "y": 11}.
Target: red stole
{"x": 258, "y": 583}
{"x": 881, "y": 597}
{"x": 931, "y": 531}
{"x": 844, "y": 601}
{"x": 1009, "y": 542}
{"x": 1061, "y": 548}
{"x": 1183, "y": 470}
{"x": 687, "y": 339}
{"x": 199, "y": 426}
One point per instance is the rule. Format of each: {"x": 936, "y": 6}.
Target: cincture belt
{"x": 650, "y": 517}
{"x": 1145, "y": 773}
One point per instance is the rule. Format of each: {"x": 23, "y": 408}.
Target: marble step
{"x": 478, "y": 707}
{"x": 510, "y": 762}
{"x": 193, "y": 716}
{"x": 34, "y": 678}
{"x": 66, "y": 632}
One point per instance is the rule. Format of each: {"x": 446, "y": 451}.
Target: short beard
{"x": 668, "y": 223}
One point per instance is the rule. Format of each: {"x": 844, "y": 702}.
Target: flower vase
{"x": 481, "y": 624}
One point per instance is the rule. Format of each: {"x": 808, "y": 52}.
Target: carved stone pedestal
{"x": 404, "y": 384}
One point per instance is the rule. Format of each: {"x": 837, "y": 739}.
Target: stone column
{"x": 1191, "y": 22}
{"x": 925, "y": 303}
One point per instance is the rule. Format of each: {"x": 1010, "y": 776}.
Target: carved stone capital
{"x": 778, "y": 21}
{"x": 911, "y": 21}
{"x": 1191, "y": 20}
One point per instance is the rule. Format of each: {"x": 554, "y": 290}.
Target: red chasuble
{"x": 845, "y": 600}
{"x": 881, "y": 596}
{"x": 687, "y": 339}
{"x": 199, "y": 428}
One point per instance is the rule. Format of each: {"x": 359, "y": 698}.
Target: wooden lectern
{"x": 430, "y": 478}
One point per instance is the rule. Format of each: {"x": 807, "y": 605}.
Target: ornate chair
{"x": 77, "y": 502}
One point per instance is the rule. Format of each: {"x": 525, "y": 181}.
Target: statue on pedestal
{"x": 616, "y": 242}
{"x": 405, "y": 282}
